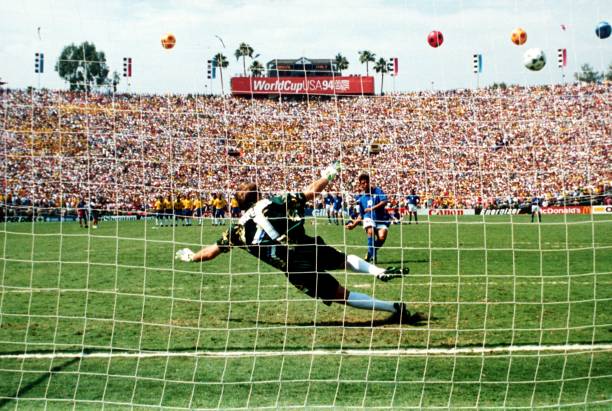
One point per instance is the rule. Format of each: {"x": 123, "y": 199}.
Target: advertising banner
{"x": 446, "y": 211}
{"x": 567, "y": 210}
{"x": 501, "y": 211}
{"x": 353, "y": 85}
{"x": 602, "y": 209}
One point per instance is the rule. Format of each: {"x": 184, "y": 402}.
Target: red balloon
{"x": 435, "y": 39}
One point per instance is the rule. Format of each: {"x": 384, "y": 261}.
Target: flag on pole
{"x": 392, "y": 66}
{"x": 127, "y": 67}
{"x": 211, "y": 69}
{"x": 562, "y": 57}
{"x": 39, "y": 62}
{"x": 477, "y": 61}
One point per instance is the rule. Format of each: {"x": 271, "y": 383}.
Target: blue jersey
{"x": 369, "y": 200}
{"x": 413, "y": 199}
{"x": 329, "y": 199}
{"x": 536, "y": 201}
{"x": 338, "y": 203}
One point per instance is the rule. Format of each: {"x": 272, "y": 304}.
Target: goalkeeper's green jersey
{"x": 269, "y": 228}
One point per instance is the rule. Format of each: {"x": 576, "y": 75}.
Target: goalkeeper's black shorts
{"x": 307, "y": 266}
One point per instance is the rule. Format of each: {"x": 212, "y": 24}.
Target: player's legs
{"x": 412, "y": 210}
{"x": 371, "y": 254}
{"x": 380, "y": 238}
{"x": 330, "y": 258}
{"x": 304, "y": 274}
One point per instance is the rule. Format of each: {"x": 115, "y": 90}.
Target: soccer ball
{"x": 603, "y": 30}
{"x": 519, "y": 36}
{"x": 534, "y": 59}
{"x": 435, "y": 39}
{"x": 168, "y": 41}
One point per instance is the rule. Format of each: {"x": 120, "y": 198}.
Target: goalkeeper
{"x": 273, "y": 231}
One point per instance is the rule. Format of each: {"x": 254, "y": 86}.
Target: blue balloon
{"x": 603, "y": 30}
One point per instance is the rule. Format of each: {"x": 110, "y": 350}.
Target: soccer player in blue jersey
{"x": 536, "y": 208}
{"x": 337, "y": 212}
{"x": 373, "y": 213}
{"x": 413, "y": 201}
{"x": 329, "y": 206}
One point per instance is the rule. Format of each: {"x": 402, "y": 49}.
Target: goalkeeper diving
{"x": 272, "y": 229}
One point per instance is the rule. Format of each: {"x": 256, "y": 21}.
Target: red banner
{"x": 354, "y": 85}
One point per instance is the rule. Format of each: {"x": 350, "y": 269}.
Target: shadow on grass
{"x": 21, "y": 391}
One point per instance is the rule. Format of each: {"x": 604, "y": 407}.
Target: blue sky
{"x": 314, "y": 29}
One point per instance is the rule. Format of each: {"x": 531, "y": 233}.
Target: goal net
{"x": 100, "y": 190}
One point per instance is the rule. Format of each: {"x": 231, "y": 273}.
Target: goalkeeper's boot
{"x": 393, "y": 272}
{"x": 403, "y": 316}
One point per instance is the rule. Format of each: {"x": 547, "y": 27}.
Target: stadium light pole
{"x": 221, "y": 40}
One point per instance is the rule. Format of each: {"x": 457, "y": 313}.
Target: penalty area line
{"x": 509, "y": 349}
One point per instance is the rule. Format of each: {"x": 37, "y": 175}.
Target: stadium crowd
{"x": 460, "y": 149}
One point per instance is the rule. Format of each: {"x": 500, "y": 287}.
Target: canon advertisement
{"x": 354, "y": 85}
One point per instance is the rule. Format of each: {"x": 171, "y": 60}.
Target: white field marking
{"x": 20, "y": 290}
{"x": 509, "y": 349}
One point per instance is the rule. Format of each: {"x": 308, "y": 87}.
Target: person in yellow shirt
{"x": 177, "y": 206}
{"x": 197, "y": 208}
{"x": 168, "y": 210}
{"x": 235, "y": 207}
{"x": 219, "y": 210}
{"x": 158, "y": 207}
{"x": 187, "y": 210}
{"x": 211, "y": 207}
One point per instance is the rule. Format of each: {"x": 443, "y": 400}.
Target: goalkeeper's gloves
{"x": 184, "y": 254}
{"x": 331, "y": 171}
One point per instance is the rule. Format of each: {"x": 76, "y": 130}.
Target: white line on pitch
{"x": 350, "y": 352}
{"x": 18, "y": 290}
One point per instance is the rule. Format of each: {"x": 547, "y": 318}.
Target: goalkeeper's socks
{"x": 365, "y": 302}
{"x": 360, "y": 265}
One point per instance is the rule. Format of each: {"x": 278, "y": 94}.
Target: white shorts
{"x": 535, "y": 209}
{"x": 368, "y": 222}
{"x": 412, "y": 208}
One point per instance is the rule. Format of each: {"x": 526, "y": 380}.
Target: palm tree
{"x": 220, "y": 61}
{"x": 256, "y": 69}
{"x": 381, "y": 67}
{"x": 366, "y": 57}
{"x": 341, "y": 62}
{"x": 244, "y": 51}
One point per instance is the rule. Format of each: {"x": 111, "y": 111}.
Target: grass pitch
{"x": 488, "y": 282}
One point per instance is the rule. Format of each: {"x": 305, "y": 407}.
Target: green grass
{"x": 487, "y": 283}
